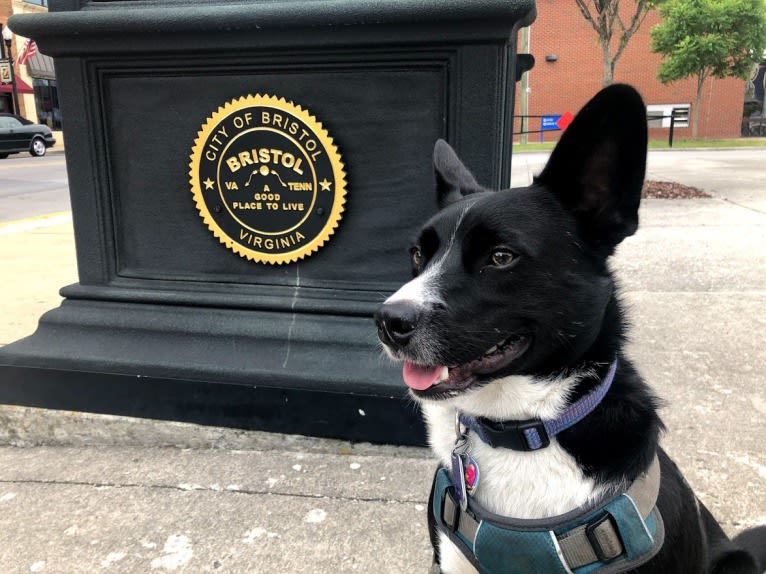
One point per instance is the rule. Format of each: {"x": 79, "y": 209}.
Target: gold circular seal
{"x": 267, "y": 179}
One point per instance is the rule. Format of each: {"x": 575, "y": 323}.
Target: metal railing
{"x": 754, "y": 126}
{"x": 547, "y": 123}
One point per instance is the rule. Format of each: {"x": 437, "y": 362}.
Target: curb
{"x": 32, "y": 427}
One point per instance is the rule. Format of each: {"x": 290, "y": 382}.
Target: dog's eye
{"x": 417, "y": 257}
{"x": 502, "y": 257}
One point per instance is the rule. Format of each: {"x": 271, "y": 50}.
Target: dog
{"x": 512, "y": 335}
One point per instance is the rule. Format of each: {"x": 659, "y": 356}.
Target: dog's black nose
{"x": 396, "y": 323}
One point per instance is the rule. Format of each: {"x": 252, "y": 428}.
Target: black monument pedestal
{"x": 173, "y": 319}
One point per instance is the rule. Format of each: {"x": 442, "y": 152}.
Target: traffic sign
{"x": 564, "y": 120}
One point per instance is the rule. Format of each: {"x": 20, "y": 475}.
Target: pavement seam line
{"x": 749, "y": 208}
{"x": 207, "y": 489}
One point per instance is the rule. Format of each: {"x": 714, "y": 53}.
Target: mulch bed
{"x": 671, "y": 190}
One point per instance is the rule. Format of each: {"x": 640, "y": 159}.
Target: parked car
{"x": 18, "y": 134}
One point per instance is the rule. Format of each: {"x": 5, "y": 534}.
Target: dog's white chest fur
{"x": 523, "y": 485}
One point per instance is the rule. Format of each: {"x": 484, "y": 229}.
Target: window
{"x": 47, "y": 103}
{"x": 9, "y": 123}
{"x": 659, "y": 115}
{"x": 37, "y": 2}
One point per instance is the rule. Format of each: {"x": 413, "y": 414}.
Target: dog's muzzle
{"x": 396, "y": 323}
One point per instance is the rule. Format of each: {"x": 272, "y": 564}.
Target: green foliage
{"x": 705, "y": 38}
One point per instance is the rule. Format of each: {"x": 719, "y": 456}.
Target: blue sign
{"x": 548, "y": 123}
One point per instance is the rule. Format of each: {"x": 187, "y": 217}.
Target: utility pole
{"x": 524, "y": 104}
{"x": 7, "y": 37}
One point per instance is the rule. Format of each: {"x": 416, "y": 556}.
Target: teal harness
{"x": 619, "y": 534}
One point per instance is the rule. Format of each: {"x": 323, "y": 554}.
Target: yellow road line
{"x": 36, "y": 222}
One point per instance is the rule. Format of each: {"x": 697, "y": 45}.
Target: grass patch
{"x": 719, "y": 143}
{"x": 546, "y": 146}
{"x": 663, "y": 144}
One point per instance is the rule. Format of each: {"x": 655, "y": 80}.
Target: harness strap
{"x": 599, "y": 540}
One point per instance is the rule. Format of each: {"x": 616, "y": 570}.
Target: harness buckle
{"x": 604, "y": 538}
{"x": 526, "y": 435}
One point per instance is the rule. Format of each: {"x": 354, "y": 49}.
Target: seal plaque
{"x": 267, "y": 179}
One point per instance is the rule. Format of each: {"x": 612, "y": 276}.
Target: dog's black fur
{"x": 556, "y": 294}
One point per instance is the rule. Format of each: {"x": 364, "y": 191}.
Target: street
{"x": 32, "y": 186}
{"x": 36, "y": 240}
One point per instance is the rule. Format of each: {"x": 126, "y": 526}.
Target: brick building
{"x": 6, "y": 101}
{"x": 36, "y": 79}
{"x": 568, "y": 81}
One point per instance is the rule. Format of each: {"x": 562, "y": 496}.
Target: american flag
{"x": 29, "y": 50}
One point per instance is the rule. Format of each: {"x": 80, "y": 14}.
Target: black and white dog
{"x": 511, "y": 333}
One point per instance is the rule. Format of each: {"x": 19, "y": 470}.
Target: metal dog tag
{"x": 458, "y": 479}
{"x": 470, "y": 473}
{"x": 465, "y": 471}
{"x": 465, "y": 476}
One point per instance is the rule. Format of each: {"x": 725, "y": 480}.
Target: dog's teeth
{"x": 492, "y": 350}
{"x": 442, "y": 376}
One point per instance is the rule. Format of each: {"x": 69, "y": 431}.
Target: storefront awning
{"x": 40, "y": 66}
{"x": 21, "y": 86}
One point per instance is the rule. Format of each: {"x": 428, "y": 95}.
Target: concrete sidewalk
{"x": 85, "y": 493}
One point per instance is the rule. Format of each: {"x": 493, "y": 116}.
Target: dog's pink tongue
{"x": 420, "y": 377}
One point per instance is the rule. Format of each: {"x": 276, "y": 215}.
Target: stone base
{"x": 244, "y": 369}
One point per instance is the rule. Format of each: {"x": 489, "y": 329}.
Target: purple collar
{"x": 534, "y": 434}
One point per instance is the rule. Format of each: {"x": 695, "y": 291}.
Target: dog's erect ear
{"x": 597, "y": 169}
{"x": 453, "y": 180}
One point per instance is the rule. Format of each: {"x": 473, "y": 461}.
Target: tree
{"x": 709, "y": 38}
{"x": 606, "y": 19}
